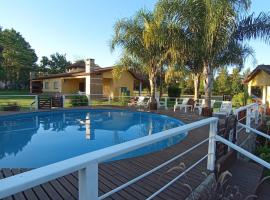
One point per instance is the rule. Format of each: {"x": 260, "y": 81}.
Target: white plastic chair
{"x": 225, "y": 108}
{"x": 184, "y": 104}
{"x": 202, "y": 105}
{"x": 199, "y": 105}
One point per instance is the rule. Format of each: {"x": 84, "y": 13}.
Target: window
{"x": 55, "y": 84}
{"x": 46, "y": 86}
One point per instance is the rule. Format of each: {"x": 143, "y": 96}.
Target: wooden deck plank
{"x": 47, "y": 187}
{"x": 61, "y": 190}
{"x": 1, "y": 177}
{"x": 18, "y": 196}
{"x": 29, "y": 194}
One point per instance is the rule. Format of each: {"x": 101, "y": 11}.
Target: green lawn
{"x": 14, "y": 92}
{"x": 24, "y": 102}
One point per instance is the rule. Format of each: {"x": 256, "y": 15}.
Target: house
{"x": 88, "y": 78}
{"x": 258, "y": 82}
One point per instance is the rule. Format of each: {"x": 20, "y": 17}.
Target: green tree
{"x": 212, "y": 32}
{"x": 236, "y": 82}
{"x": 57, "y": 63}
{"x": 138, "y": 38}
{"x": 18, "y": 58}
{"x": 223, "y": 81}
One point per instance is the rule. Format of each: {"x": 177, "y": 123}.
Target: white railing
{"x": 87, "y": 164}
{"x": 252, "y": 113}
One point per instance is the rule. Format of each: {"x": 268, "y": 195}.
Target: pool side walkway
{"x": 116, "y": 173}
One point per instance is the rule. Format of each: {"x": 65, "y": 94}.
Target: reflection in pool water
{"x": 37, "y": 139}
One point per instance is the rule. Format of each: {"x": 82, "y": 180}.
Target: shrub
{"x": 174, "y": 91}
{"x": 241, "y": 99}
{"x": 79, "y": 101}
{"x": 264, "y": 153}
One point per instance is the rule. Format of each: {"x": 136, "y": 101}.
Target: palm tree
{"x": 138, "y": 52}
{"x": 211, "y": 33}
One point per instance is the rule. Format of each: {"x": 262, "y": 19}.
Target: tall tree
{"x": 210, "y": 28}
{"x": 223, "y": 81}
{"x": 18, "y": 58}
{"x": 236, "y": 82}
{"x": 57, "y": 63}
{"x": 140, "y": 51}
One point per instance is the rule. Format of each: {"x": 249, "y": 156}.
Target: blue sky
{"x": 83, "y": 28}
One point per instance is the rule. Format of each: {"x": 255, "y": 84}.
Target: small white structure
{"x": 260, "y": 78}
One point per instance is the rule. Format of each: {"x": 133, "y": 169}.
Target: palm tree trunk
{"x": 208, "y": 83}
{"x": 197, "y": 80}
{"x": 153, "y": 84}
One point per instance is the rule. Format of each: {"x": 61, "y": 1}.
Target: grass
{"x": 14, "y": 92}
{"x": 23, "y": 102}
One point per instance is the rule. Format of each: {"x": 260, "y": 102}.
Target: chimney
{"x": 92, "y": 63}
{"x": 89, "y": 64}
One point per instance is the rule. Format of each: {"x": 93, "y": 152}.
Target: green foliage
{"x": 188, "y": 85}
{"x": 236, "y": 82}
{"x": 17, "y": 59}
{"x": 174, "y": 91}
{"x": 264, "y": 153}
{"x": 139, "y": 39}
{"x": 223, "y": 85}
{"x": 241, "y": 99}
{"x": 226, "y": 83}
{"x": 79, "y": 101}
{"x": 207, "y": 34}
{"x": 57, "y": 63}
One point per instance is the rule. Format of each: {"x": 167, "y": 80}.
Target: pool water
{"x": 37, "y": 139}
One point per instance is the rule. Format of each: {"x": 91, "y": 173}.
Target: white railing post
{"x": 89, "y": 99}
{"x": 63, "y": 100}
{"x": 248, "y": 118}
{"x": 88, "y": 182}
{"x": 212, "y": 146}
{"x": 166, "y": 103}
{"x": 36, "y": 102}
{"x": 256, "y": 114}
{"x": 109, "y": 100}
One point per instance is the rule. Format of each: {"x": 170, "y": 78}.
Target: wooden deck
{"x": 114, "y": 174}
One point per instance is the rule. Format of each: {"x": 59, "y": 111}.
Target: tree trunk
{"x": 208, "y": 83}
{"x": 197, "y": 80}
{"x": 161, "y": 86}
{"x": 153, "y": 84}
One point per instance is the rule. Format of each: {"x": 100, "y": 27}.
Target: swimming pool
{"x": 37, "y": 139}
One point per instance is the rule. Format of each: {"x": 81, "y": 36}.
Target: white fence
{"x": 72, "y": 100}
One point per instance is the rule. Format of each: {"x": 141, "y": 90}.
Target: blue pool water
{"x": 38, "y": 139}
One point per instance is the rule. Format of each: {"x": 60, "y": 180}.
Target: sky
{"x": 83, "y": 28}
